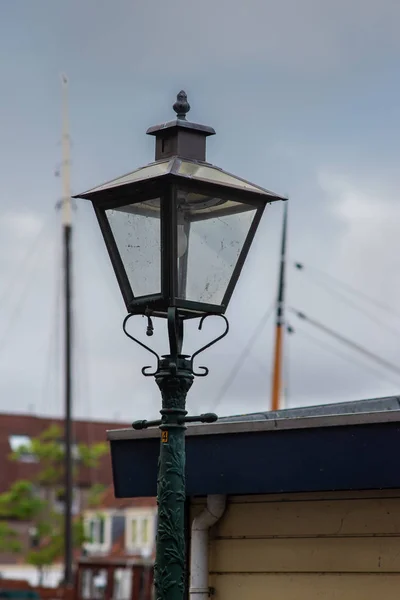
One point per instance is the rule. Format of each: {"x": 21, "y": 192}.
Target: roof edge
{"x": 181, "y": 124}
{"x": 277, "y": 424}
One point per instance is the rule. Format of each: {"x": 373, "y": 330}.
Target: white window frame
{"x": 17, "y": 441}
{"x": 139, "y": 516}
{"x": 96, "y": 515}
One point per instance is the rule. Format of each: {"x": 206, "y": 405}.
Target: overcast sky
{"x": 305, "y": 98}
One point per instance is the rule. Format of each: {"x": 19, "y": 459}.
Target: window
{"x": 22, "y": 443}
{"x": 117, "y": 527}
{"x": 98, "y": 532}
{"x": 145, "y": 529}
{"x": 140, "y": 532}
{"x": 134, "y": 532}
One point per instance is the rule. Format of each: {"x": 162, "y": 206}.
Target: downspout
{"x": 199, "y": 589}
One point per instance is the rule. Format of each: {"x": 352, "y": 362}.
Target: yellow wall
{"x": 337, "y": 546}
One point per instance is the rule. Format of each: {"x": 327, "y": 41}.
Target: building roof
{"x": 338, "y": 408}
{"x": 339, "y": 446}
{"x": 13, "y": 425}
{"x": 285, "y": 418}
{"x": 110, "y": 502}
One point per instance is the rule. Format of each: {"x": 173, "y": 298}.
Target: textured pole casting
{"x": 174, "y": 376}
{"x": 169, "y": 569}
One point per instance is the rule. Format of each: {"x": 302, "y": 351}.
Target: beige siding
{"x": 337, "y": 546}
{"x": 306, "y": 587}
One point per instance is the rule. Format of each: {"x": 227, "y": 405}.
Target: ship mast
{"x": 67, "y": 235}
{"x": 280, "y": 321}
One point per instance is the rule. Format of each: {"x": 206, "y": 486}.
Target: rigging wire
{"x": 390, "y": 328}
{"x": 24, "y": 263}
{"x": 20, "y": 302}
{"x": 82, "y": 362}
{"x": 300, "y": 266}
{"x": 82, "y": 376}
{"x": 100, "y": 267}
{"x": 349, "y": 359}
{"x": 54, "y": 346}
{"x": 242, "y": 357}
{"x": 355, "y": 346}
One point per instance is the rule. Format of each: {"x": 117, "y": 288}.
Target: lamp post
{"x": 177, "y": 232}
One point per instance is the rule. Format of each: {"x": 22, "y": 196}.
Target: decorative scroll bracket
{"x": 175, "y": 335}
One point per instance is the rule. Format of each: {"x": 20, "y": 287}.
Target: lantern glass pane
{"x": 211, "y": 233}
{"x": 137, "y": 232}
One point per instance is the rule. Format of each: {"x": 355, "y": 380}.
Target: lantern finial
{"x": 181, "y": 106}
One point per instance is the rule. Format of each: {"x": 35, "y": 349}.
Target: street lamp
{"x": 177, "y": 232}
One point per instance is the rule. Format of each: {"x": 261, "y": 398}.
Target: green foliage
{"x": 22, "y": 503}
{"x": 95, "y": 494}
{"x": 48, "y": 449}
{"x": 52, "y": 543}
{"x": 9, "y": 541}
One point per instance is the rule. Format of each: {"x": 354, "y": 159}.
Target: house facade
{"x": 121, "y": 528}
{"x": 304, "y": 504}
{"x": 120, "y": 550}
{"x": 18, "y": 430}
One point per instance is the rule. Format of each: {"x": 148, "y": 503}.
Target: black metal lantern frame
{"x": 168, "y": 188}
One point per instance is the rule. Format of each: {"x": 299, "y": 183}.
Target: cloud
{"x": 367, "y": 252}
{"x": 304, "y": 96}
{"x": 20, "y": 225}
{"x": 302, "y": 36}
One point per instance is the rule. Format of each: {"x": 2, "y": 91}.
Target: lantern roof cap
{"x": 179, "y": 137}
{"x": 181, "y": 107}
{"x": 182, "y": 169}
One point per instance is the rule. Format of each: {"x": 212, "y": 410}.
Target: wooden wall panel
{"x": 334, "y": 546}
{"x": 311, "y": 518}
{"x": 306, "y": 587}
{"x": 302, "y": 555}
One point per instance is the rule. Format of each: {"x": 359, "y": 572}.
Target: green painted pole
{"x": 174, "y": 379}
{"x": 174, "y": 376}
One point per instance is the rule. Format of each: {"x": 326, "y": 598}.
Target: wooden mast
{"x": 280, "y": 321}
